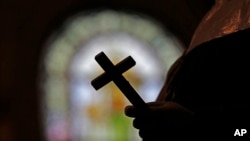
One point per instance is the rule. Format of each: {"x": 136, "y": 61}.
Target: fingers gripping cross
{"x": 114, "y": 73}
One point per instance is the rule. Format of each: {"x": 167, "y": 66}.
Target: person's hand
{"x": 164, "y": 119}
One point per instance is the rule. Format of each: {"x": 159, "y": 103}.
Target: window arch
{"x": 73, "y": 110}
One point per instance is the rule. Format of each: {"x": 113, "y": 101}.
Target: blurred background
{"x": 47, "y": 63}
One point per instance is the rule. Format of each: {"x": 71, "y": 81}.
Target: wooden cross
{"x": 114, "y": 73}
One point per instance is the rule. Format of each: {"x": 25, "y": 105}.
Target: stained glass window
{"x": 72, "y": 109}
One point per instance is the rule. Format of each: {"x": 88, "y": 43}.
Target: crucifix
{"x": 114, "y": 73}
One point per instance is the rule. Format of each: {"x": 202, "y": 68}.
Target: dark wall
{"x": 24, "y": 27}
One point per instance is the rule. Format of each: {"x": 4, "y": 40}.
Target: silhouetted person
{"x": 206, "y": 93}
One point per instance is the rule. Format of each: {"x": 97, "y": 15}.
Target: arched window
{"x": 72, "y": 109}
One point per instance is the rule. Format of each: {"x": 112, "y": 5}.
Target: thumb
{"x": 130, "y": 111}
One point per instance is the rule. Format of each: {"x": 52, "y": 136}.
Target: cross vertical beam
{"x": 114, "y": 73}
